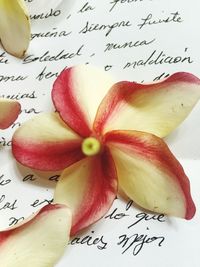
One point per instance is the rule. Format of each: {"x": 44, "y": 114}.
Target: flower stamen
{"x": 91, "y": 146}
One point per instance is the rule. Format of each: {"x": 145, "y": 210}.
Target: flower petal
{"x": 155, "y": 108}
{"x": 9, "y": 111}
{"x": 77, "y": 93}
{"x": 88, "y": 187}
{"x": 38, "y": 242}
{"x": 14, "y": 27}
{"x": 46, "y": 143}
{"x": 149, "y": 173}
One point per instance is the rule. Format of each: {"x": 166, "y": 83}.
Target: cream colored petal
{"x": 46, "y": 143}
{"x": 9, "y": 111}
{"x": 77, "y": 93}
{"x": 38, "y": 242}
{"x": 149, "y": 173}
{"x": 157, "y": 108}
{"x": 14, "y": 27}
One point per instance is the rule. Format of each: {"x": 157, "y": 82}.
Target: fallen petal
{"x": 149, "y": 173}
{"x": 40, "y": 241}
{"x": 14, "y": 27}
{"x": 77, "y": 93}
{"x": 89, "y": 188}
{"x": 46, "y": 143}
{"x": 155, "y": 108}
{"x": 9, "y": 111}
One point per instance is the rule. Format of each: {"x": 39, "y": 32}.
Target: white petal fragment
{"x": 39, "y": 242}
{"x": 9, "y": 111}
{"x": 14, "y": 27}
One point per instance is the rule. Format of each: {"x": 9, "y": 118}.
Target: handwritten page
{"x": 136, "y": 40}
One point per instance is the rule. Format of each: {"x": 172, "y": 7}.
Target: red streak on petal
{"x": 5, "y": 235}
{"x": 183, "y": 77}
{"x": 47, "y": 156}
{"x": 124, "y": 92}
{"x": 66, "y": 103}
{"x": 157, "y": 151}
{"x": 117, "y": 94}
{"x": 101, "y": 192}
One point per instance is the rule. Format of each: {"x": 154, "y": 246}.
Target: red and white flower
{"x": 106, "y": 134}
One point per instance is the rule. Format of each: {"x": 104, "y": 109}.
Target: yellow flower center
{"x": 91, "y": 146}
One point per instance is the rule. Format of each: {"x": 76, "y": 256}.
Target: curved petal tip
{"x": 9, "y": 111}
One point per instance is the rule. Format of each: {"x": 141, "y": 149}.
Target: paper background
{"x": 31, "y": 83}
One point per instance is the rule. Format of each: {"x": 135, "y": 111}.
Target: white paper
{"x": 138, "y": 40}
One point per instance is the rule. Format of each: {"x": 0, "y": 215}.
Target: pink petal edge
{"x": 9, "y": 111}
{"x": 152, "y": 149}
{"x": 126, "y": 101}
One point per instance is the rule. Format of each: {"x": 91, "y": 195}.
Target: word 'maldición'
{"x": 159, "y": 57}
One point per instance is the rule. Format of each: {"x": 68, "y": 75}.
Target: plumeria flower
{"x": 107, "y": 135}
{"x": 14, "y": 27}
